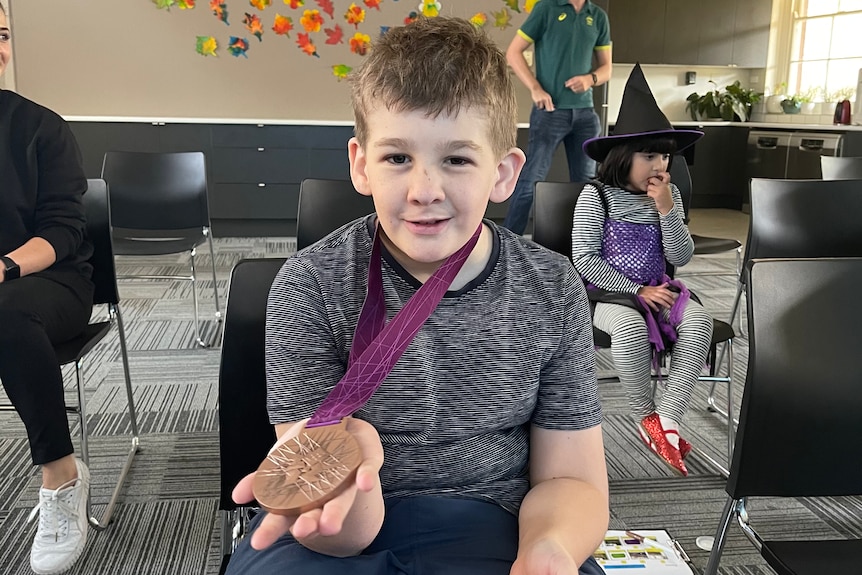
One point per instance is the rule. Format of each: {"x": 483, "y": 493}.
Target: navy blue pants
{"x": 420, "y": 536}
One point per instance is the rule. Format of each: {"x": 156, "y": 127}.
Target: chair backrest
{"x": 799, "y": 424}
{"x": 841, "y": 168}
{"x": 97, "y": 209}
{"x": 553, "y": 210}
{"x": 157, "y": 190}
{"x": 245, "y": 435}
{"x": 804, "y": 219}
{"x": 681, "y": 176}
{"x": 325, "y": 206}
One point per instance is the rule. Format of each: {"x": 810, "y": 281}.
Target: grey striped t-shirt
{"x": 513, "y": 347}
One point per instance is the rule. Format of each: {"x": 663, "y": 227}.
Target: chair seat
{"x": 124, "y": 246}
{"x": 707, "y": 245}
{"x": 76, "y": 348}
{"x": 813, "y": 557}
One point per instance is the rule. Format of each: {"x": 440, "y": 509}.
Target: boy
{"x": 482, "y": 449}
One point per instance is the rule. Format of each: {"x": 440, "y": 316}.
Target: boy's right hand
{"x": 329, "y": 520}
{"x": 657, "y": 297}
{"x": 542, "y": 99}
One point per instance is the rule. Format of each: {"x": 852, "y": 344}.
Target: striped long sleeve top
{"x": 588, "y": 233}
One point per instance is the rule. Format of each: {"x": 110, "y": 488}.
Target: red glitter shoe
{"x": 684, "y": 448}
{"x": 658, "y": 443}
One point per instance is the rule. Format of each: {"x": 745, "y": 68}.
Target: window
{"x": 826, "y": 54}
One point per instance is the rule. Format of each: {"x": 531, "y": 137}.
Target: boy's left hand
{"x": 658, "y": 188}
{"x": 545, "y": 557}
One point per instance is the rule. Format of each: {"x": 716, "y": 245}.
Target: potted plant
{"x": 792, "y": 104}
{"x": 732, "y": 104}
{"x": 811, "y": 100}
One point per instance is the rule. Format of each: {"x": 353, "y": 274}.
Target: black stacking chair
{"x": 325, "y": 206}
{"x": 245, "y": 435}
{"x": 799, "y": 423}
{"x": 703, "y": 245}
{"x": 96, "y": 207}
{"x": 841, "y": 167}
{"x": 801, "y": 219}
{"x": 554, "y": 207}
{"x": 159, "y": 206}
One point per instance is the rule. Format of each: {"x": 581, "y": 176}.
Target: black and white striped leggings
{"x": 632, "y": 354}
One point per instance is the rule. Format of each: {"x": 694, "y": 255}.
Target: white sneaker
{"x": 63, "y": 524}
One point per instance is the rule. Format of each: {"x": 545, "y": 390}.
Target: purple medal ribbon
{"x": 377, "y": 346}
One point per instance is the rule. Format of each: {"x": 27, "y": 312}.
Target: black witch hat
{"x": 639, "y": 116}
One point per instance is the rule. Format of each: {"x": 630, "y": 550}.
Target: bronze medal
{"x": 308, "y": 470}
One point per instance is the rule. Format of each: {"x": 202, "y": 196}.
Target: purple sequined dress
{"x": 635, "y": 250}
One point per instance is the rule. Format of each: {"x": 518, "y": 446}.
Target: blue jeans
{"x": 420, "y": 536}
{"x": 547, "y": 130}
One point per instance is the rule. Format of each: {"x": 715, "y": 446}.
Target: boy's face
{"x": 431, "y": 179}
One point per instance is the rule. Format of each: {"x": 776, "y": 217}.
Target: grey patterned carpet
{"x": 167, "y": 521}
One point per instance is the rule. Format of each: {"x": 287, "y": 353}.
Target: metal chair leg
{"x": 198, "y": 338}
{"x": 101, "y": 524}
{"x": 209, "y": 237}
{"x": 720, "y": 538}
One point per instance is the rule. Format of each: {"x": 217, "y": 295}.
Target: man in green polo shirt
{"x": 566, "y": 34}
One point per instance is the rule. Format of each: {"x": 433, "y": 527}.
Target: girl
{"x": 627, "y": 227}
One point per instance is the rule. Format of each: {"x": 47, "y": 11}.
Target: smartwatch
{"x": 595, "y": 78}
{"x": 13, "y": 272}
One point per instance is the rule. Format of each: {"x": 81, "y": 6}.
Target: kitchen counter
{"x": 776, "y": 125}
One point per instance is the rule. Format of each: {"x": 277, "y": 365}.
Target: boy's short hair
{"x": 615, "y": 170}
{"x": 441, "y": 66}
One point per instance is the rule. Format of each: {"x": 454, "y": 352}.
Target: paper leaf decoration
{"x": 164, "y": 4}
{"x": 306, "y": 45}
{"x": 430, "y": 8}
{"x": 412, "y": 17}
{"x": 206, "y": 46}
{"x": 360, "y": 43}
{"x": 237, "y": 46}
{"x": 334, "y": 35}
{"x": 372, "y": 4}
{"x": 327, "y": 7}
{"x": 282, "y": 25}
{"x": 253, "y": 24}
{"x": 502, "y": 19}
{"x": 341, "y": 71}
{"x": 479, "y": 20}
{"x": 295, "y": 3}
{"x": 311, "y": 20}
{"x": 260, "y": 4}
{"x": 219, "y": 9}
{"x": 355, "y": 15}
{"x": 528, "y": 6}
{"x": 186, "y": 4}
{"x": 513, "y": 4}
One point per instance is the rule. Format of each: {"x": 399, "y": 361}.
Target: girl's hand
{"x": 658, "y": 188}
{"x": 657, "y": 297}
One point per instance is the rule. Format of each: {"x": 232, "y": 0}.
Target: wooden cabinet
{"x": 253, "y": 170}
{"x": 735, "y": 32}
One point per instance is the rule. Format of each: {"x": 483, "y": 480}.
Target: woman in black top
{"x": 45, "y": 297}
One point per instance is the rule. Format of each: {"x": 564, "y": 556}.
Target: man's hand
{"x": 330, "y": 519}
{"x": 546, "y": 557}
{"x": 657, "y": 297}
{"x": 658, "y": 188}
{"x": 579, "y": 84}
{"x": 542, "y": 99}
